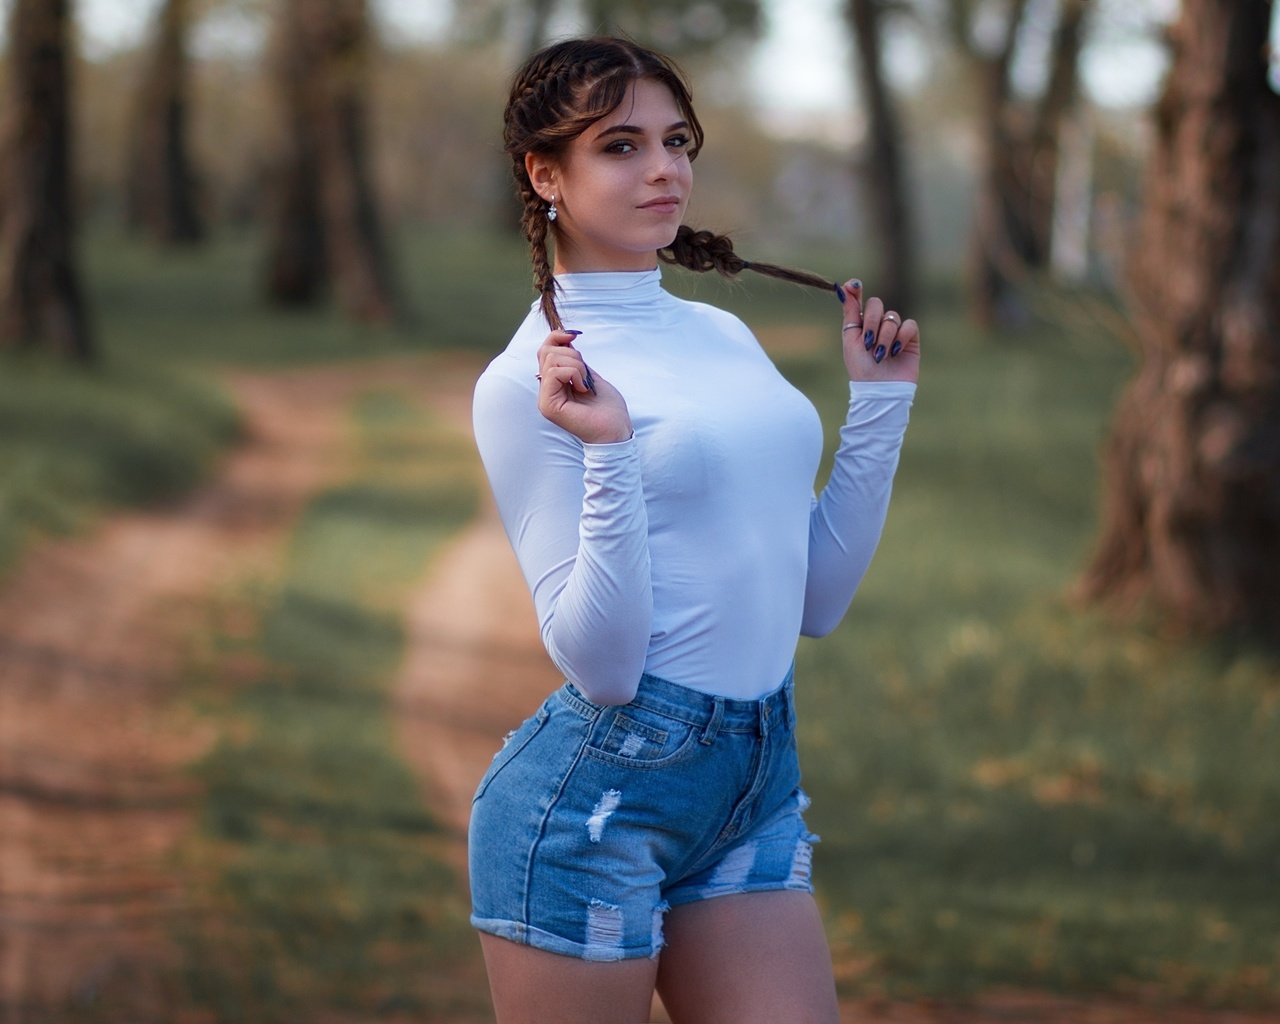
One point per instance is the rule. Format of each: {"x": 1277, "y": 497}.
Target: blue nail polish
{"x": 589, "y": 380}
{"x": 897, "y": 347}
{"x": 857, "y": 284}
{"x": 879, "y": 353}
{"x": 840, "y": 293}
{"x": 574, "y": 333}
{"x": 868, "y": 340}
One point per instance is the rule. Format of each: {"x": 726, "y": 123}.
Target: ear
{"x": 542, "y": 174}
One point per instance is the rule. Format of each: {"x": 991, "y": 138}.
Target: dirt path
{"x": 475, "y": 667}
{"x": 93, "y": 634}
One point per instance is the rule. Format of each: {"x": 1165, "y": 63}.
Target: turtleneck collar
{"x": 612, "y": 294}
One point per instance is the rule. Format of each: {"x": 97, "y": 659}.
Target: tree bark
{"x": 993, "y": 255}
{"x": 1013, "y": 225}
{"x": 885, "y": 166}
{"x": 1059, "y": 100}
{"x": 1191, "y": 518}
{"x": 40, "y": 296}
{"x": 326, "y": 229}
{"x": 296, "y": 266}
{"x": 161, "y": 190}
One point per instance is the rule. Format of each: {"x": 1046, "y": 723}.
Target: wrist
{"x": 612, "y": 437}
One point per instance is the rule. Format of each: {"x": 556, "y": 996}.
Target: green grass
{"x": 1010, "y": 790}
{"x": 151, "y": 418}
{"x": 326, "y": 886}
{"x": 75, "y": 441}
{"x": 205, "y": 306}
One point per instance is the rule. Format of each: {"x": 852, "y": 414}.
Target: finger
{"x": 908, "y": 338}
{"x": 559, "y": 378}
{"x": 886, "y": 338}
{"x": 552, "y": 355}
{"x": 872, "y": 312}
{"x": 851, "y": 301}
{"x": 561, "y": 339}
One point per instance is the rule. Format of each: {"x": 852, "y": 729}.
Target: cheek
{"x": 604, "y": 189}
{"x": 684, "y": 173}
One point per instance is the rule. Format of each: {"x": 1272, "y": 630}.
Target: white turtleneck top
{"x": 696, "y": 550}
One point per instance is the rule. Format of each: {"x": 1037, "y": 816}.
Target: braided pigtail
{"x": 702, "y": 251}
{"x": 535, "y": 226}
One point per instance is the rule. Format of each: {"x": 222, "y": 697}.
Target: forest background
{"x": 1042, "y": 746}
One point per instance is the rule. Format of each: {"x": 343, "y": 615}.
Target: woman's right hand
{"x": 575, "y": 399}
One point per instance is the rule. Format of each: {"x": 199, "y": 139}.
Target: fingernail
{"x": 856, "y": 284}
{"x": 897, "y": 347}
{"x": 574, "y": 333}
{"x": 879, "y": 353}
{"x": 589, "y": 380}
{"x": 868, "y": 340}
{"x": 840, "y": 293}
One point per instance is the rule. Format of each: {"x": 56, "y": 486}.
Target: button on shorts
{"x": 594, "y": 820}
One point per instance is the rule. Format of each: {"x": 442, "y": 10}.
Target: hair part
{"x": 560, "y": 92}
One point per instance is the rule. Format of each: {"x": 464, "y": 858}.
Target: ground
{"x": 93, "y": 792}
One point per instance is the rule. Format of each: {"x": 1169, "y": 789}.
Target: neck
{"x": 569, "y": 260}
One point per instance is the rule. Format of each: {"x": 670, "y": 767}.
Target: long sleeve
{"x": 846, "y": 521}
{"x": 575, "y": 515}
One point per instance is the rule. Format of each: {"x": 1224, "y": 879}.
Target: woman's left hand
{"x": 878, "y": 344}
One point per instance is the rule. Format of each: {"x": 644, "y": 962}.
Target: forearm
{"x": 847, "y": 520}
{"x": 595, "y": 609}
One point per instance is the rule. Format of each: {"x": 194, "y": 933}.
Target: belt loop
{"x": 713, "y": 727}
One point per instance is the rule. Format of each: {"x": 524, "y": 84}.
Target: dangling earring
{"x": 552, "y": 213}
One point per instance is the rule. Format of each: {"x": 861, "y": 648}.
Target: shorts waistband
{"x": 701, "y": 709}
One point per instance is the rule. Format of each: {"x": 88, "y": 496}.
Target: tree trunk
{"x": 326, "y": 228}
{"x": 993, "y": 258}
{"x": 539, "y": 25}
{"x": 1191, "y": 519}
{"x": 1055, "y": 108}
{"x": 40, "y": 297}
{"x": 161, "y": 192}
{"x": 296, "y": 274}
{"x": 885, "y": 166}
{"x": 1013, "y": 226}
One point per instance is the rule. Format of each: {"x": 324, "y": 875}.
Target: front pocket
{"x": 635, "y": 744}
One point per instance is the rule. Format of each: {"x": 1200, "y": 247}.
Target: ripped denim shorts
{"x": 595, "y": 820}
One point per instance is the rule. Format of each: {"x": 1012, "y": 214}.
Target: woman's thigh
{"x": 749, "y": 958}
{"x": 533, "y": 986}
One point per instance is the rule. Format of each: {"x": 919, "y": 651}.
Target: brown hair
{"x": 558, "y": 94}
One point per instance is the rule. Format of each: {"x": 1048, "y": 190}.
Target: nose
{"x": 663, "y": 166}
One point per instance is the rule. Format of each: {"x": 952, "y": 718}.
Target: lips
{"x": 663, "y": 204}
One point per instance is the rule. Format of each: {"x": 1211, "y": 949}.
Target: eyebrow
{"x": 631, "y": 129}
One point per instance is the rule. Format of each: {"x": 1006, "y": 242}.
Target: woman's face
{"x": 622, "y": 187}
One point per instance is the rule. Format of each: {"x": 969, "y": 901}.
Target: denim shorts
{"x": 595, "y": 820}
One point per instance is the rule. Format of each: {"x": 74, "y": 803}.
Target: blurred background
{"x": 254, "y": 252}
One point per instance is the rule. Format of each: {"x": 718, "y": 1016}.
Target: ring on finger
{"x": 851, "y": 327}
{"x": 893, "y": 317}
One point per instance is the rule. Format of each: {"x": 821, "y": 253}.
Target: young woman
{"x": 655, "y": 474}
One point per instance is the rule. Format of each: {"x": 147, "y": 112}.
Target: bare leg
{"x": 532, "y": 986}
{"x": 750, "y": 958}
